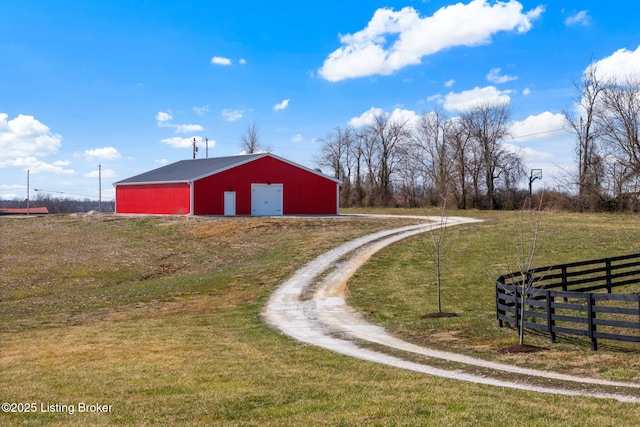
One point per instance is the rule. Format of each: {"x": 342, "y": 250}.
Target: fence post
{"x": 550, "y": 319}
{"x": 564, "y": 281}
{"x": 591, "y": 316}
{"x": 608, "y": 261}
{"x": 517, "y": 307}
{"x": 498, "y": 283}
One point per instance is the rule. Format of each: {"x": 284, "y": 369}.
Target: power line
{"x": 61, "y": 192}
{"x": 538, "y": 133}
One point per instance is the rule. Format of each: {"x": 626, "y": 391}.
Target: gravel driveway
{"x": 314, "y": 311}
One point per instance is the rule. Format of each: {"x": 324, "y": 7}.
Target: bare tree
{"x": 409, "y": 179}
{"x": 433, "y": 150}
{"x": 437, "y": 233}
{"x": 583, "y": 124}
{"x": 528, "y": 230}
{"x": 369, "y": 154}
{"x": 337, "y": 154}
{"x": 356, "y": 155}
{"x": 250, "y": 140}
{"x": 487, "y": 125}
{"x": 619, "y": 130}
{"x": 461, "y": 158}
{"x": 332, "y": 152}
{"x": 386, "y": 136}
{"x": 522, "y": 281}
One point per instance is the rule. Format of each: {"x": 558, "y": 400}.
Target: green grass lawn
{"x": 398, "y": 286}
{"x": 160, "y": 318}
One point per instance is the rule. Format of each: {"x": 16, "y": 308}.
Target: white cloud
{"x": 203, "y": 143}
{"x": 365, "y": 118}
{"x": 544, "y": 142}
{"x": 449, "y": 83}
{"x": 179, "y": 142}
{"x": 526, "y": 91}
{"x": 106, "y": 173}
{"x": 621, "y": 65}
{"x": 405, "y": 116}
{"x": 105, "y": 153}
{"x": 242, "y": 61}
{"x": 542, "y": 126}
{"x": 580, "y": 18}
{"x": 232, "y": 115}
{"x": 370, "y": 52}
{"x": 25, "y": 137}
{"x": 220, "y": 60}
{"x": 38, "y": 166}
{"x": 162, "y": 161}
{"x": 297, "y": 138}
{"x": 201, "y": 110}
{"x": 164, "y": 119}
{"x": 472, "y": 98}
{"x": 187, "y": 128}
{"x": 398, "y": 115}
{"x": 494, "y": 76}
{"x": 530, "y": 155}
{"x": 282, "y": 105}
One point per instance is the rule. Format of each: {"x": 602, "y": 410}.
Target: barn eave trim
{"x": 117, "y": 184}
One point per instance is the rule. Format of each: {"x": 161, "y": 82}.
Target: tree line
{"x": 390, "y": 162}
{"x": 60, "y": 205}
{"x": 607, "y": 128}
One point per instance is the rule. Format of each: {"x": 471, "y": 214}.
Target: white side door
{"x": 229, "y": 203}
{"x": 266, "y": 199}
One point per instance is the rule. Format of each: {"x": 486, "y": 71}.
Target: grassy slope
{"x": 398, "y": 286}
{"x": 160, "y": 318}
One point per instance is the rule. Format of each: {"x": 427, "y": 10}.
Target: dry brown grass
{"x": 160, "y": 318}
{"x": 60, "y": 270}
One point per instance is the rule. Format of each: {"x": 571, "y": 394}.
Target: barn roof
{"x": 194, "y": 169}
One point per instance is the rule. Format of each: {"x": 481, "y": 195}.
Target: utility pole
{"x": 100, "y": 188}
{"x": 195, "y": 148}
{"x": 27, "y": 191}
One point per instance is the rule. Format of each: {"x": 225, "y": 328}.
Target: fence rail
{"x": 571, "y": 299}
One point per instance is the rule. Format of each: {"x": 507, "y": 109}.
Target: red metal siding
{"x": 304, "y": 192}
{"x": 167, "y": 199}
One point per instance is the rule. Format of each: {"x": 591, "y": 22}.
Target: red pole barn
{"x": 251, "y": 184}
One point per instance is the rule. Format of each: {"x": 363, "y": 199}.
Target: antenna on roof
{"x": 207, "y": 147}
{"x": 195, "y": 148}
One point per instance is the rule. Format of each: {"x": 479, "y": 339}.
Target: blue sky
{"x": 128, "y": 85}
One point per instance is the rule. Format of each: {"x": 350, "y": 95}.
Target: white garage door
{"x": 266, "y": 199}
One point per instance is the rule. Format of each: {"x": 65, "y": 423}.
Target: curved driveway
{"x": 310, "y": 307}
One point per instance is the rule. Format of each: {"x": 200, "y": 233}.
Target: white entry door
{"x": 266, "y": 199}
{"x": 229, "y": 203}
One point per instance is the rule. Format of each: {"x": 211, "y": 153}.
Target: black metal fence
{"x": 575, "y": 299}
